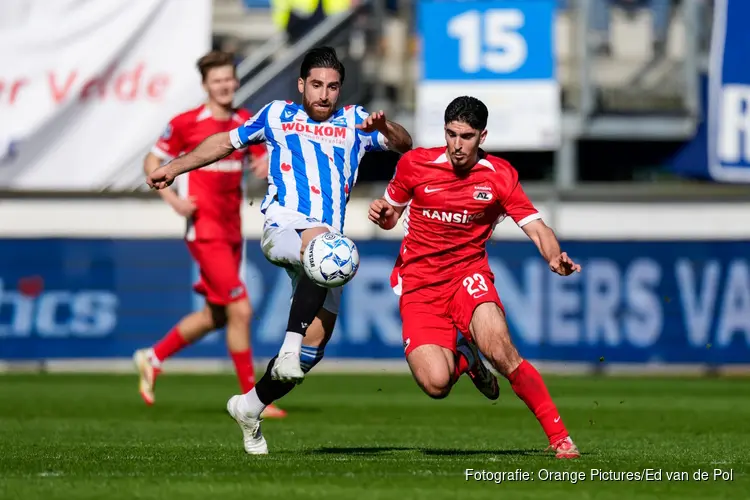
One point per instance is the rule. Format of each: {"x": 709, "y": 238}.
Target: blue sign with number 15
{"x": 500, "y": 40}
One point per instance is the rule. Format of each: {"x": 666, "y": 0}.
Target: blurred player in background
{"x": 455, "y": 196}
{"x": 210, "y": 200}
{"x": 315, "y": 152}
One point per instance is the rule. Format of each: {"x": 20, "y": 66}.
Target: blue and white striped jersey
{"x": 312, "y": 165}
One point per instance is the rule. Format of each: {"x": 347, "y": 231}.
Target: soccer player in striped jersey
{"x": 315, "y": 149}
{"x": 210, "y": 200}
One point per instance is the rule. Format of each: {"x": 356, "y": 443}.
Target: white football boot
{"x": 252, "y": 437}
{"x": 147, "y": 373}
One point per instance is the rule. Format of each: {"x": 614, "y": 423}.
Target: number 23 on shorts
{"x": 476, "y": 285}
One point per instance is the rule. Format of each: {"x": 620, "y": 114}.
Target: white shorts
{"x": 281, "y": 243}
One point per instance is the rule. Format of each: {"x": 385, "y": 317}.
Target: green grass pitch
{"x": 368, "y": 437}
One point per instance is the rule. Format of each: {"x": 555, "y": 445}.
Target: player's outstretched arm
{"x": 212, "y": 149}
{"x": 397, "y": 137}
{"x": 183, "y": 206}
{"x": 384, "y": 214}
{"x": 545, "y": 240}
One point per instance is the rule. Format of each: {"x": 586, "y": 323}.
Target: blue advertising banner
{"x": 720, "y": 150}
{"x": 670, "y": 302}
{"x": 729, "y": 93}
{"x": 501, "y": 52}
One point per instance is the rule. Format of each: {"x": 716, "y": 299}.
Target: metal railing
{"x": 278, "y": 79}
{"x": 620, "y": 93}
{"x": 260, "y": 58}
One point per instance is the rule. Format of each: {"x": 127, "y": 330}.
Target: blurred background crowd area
{"x": 632, "y": 66}
{"x": 631, "y": 76}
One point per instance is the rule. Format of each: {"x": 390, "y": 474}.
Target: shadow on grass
{"x": 375, "y": 450}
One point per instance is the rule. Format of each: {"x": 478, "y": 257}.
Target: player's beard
{"x": 317, "y": 114}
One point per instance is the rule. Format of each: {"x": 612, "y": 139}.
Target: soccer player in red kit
{"x": 210, "y": 200}
{"x": 453, "y": 197}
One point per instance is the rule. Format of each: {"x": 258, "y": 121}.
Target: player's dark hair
{"x": 214, "y": 59}
{"x": 468, "y": 110}
{"x": 321, "y": 57}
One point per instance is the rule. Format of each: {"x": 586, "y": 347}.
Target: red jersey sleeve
{"x": 170, "y": 144}
{"x": 401, "y": 189}
{"x": 257, "y": 151}
{"x": 516, "y": 204}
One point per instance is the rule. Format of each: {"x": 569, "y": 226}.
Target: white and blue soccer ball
{"x": 331, "y": 260}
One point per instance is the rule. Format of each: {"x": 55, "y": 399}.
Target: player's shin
{"x": 528, "y": 385}
{"x": 268, "y": 390}
{"x": 190, "y": 328}
{"x": 239, "y": 315}
{"x": 307, "y": 301}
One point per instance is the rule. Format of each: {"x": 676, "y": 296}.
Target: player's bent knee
{"x": 239, "y": 311}
{"x": 309, "y": 234}
{"x": 436, "y": 389}
{"x": 436, "y": 383}
{"x": 431, "y": 370}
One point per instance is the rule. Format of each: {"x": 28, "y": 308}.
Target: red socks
{"x": 461, "y": 366}
{"x": 243, "y": 366}
{"x": 528, "y": 385}
{"x": 173, "y": 342}
{"x": 168, "y": 346}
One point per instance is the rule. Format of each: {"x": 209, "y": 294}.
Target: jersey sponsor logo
{"x": 482, "y": 196}
{"x": 433, "y": 190}
{"x": 315, "y": 131}
{"x": 454, "y": 217}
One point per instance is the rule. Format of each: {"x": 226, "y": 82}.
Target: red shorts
{"x": 219, "y": 264}
{"x": 434, "y": 315}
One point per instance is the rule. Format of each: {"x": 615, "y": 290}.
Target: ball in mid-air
{"x": 331, "y": 260}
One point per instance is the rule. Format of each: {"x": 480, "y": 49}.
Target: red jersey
{"x": 216, "y": 189}
{"x": 449, "y": 218}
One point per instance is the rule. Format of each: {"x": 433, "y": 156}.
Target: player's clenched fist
{"x": 564, "y": 265}
{"x": 160, "y": 178}
{"x": 383, "y": 214}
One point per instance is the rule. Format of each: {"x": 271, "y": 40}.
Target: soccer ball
{"x": 331, "y": 260}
